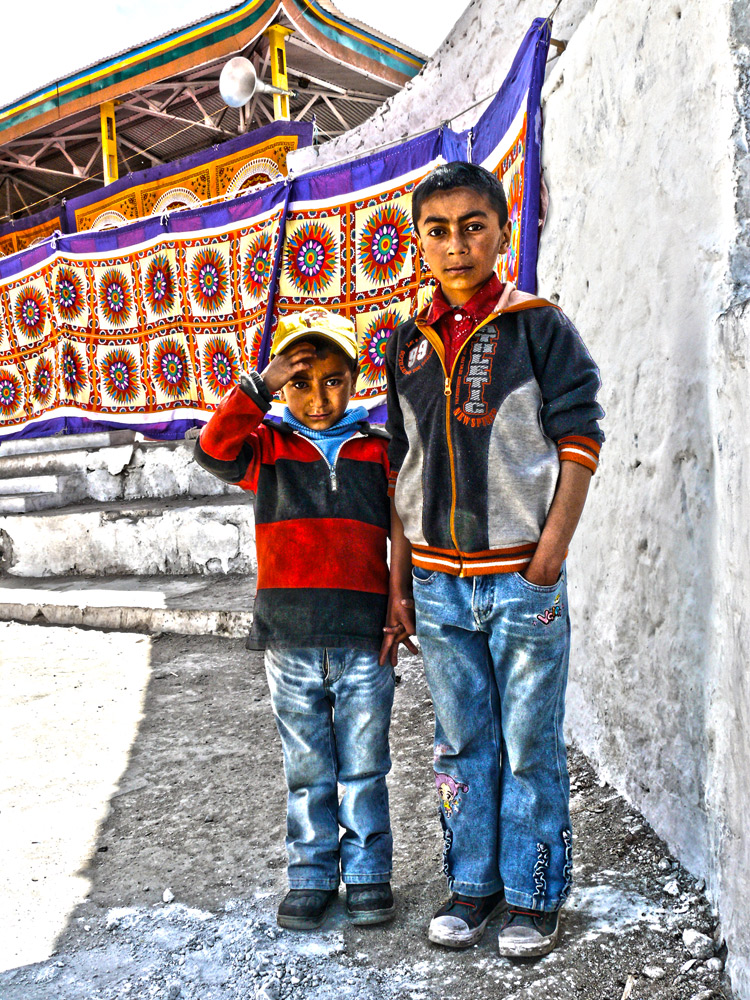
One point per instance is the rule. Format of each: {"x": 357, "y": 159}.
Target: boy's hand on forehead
{"x": 284, "y": 367}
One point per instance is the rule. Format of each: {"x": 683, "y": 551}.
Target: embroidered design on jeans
{"x": 450, "y": 791}
{"x": 540, "y": 874}
{"x": 551, "y": 613}
{"x": 447, "y": 844}
{"x": 567, "y": 837}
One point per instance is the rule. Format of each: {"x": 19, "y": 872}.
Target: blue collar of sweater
{"x": 344, "y": 428}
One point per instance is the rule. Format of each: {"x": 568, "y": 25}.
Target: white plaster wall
{"x": 729, "y": 692}
{"x": 642, "y": 231}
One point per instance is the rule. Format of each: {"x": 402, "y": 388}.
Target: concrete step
{"x": 134, "y": 470}
{"x": 112, "y": 458}
{"x": 29, "y": 484}
{"x": 65, "y": 442}
{"x": 188, "y": 605}
{"x": 26, "y": 503}
{"x": 132, "y": 538}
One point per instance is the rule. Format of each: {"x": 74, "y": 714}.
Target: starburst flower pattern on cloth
{"x": 69, "y": 294}
{"x": 41, "y": 383}
{"x": 120, "y": 375}
{"x": 257, "y": 265}
{"x": 373, "y": 345}
{"x": 10, "y": 392}
{"x": 73, "y": 372}
{"x": 170, "y": 368}
{"x": 115, "y": 297}
{"x": 384, "y": 244}
{"x": 159, "y": 285}
{"x": 209, "y": 280}
{"x": 220, "y": 366}
{"x": 311, "y": 258}
{"x": 30, "y": 312}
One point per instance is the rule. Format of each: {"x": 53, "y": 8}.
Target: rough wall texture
{"x": 644, "y": 247}
{"x": 647, "y": 248}
{"x": 729, "y": 692}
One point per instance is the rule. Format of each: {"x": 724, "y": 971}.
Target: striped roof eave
{"x": 204, "y": 41}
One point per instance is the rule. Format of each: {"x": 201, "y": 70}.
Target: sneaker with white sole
{"x": 528, "y": 933}
{"x": 460, "y": 922}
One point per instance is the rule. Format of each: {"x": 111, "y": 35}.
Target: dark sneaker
{"x": 304, "y": 909}
{"x": 461, "y": 921}
{"x": 369, "y": 903}
{"x": 528, "y": 933}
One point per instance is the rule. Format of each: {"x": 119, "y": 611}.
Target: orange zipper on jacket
{"x": 437, "y": 343}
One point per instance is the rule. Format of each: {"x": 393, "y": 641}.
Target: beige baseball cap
{"x": 317, "y": 321}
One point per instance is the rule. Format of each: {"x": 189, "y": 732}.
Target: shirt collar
{"x": 478, "y": 307}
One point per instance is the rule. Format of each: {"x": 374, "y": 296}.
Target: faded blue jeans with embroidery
{"x": 496, "y": 659}
{"x": 333, "y": 711}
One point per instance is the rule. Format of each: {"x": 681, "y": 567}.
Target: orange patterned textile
{"x": 13, "y": 239}
{"x": 228, "y": 176}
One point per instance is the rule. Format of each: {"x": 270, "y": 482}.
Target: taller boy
{"x": 493, "y": 416}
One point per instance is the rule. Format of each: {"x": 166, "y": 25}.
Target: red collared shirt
{"x": 455, "y": 323}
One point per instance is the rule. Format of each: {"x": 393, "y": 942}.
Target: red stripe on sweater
{"x": 332, "y": 553}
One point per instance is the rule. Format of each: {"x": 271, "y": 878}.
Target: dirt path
{"x": 142, "y": 769}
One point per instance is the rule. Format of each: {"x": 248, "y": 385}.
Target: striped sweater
{"x": 475, "y": 451}
{"x": 320, "y": 531}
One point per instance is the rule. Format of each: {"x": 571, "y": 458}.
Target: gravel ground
{"x": 180, "y": 861}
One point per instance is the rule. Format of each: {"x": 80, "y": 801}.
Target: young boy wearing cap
{"x": 322, "y": 522}
{"x": 494, "y": 421}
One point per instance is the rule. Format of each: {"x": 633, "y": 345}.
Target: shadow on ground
{"x": 199, "y": 816}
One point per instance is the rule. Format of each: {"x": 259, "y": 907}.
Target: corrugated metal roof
{"x": 171, "y": 138}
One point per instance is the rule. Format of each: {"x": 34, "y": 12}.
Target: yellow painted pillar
{"x": 109, "y": 141}
{"x": 277, "y": 40}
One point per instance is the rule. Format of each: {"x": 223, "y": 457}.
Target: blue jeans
{"x": 333, "y": 711}
{"x": 496, "y": 659}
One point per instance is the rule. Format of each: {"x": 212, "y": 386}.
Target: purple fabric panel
{"x": 378, "y": 168}
{"x": 17, "y": 262}
{"x": 453, "y": 145}
{"x": 29, "y": 221}
{"x": 303, "y": 130}
{"x": 499, "y": 115}
{"x": 529, "y": 248}
{"x": 378, "y": 414}
{"x": 165, "y": 430}
{"x": 111, "y": 240}
{"x": 225, "y": 213}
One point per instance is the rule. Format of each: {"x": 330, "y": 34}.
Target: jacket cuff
{"x": 583, "y": 450}
{"x": 392, "y": 477}
{"x": 252, "y": 385}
